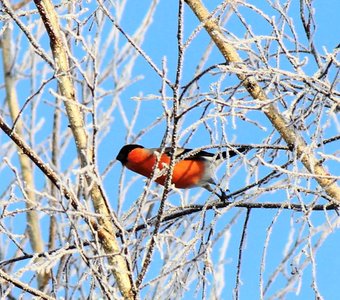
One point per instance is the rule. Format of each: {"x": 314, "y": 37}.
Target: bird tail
{"x": 231, "y": 153}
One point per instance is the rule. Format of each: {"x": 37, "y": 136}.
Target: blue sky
{"x": 288, "y": 224}
{"x": 160, "y": 44}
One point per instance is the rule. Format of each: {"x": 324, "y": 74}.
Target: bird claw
{"x": 223, "y": 196}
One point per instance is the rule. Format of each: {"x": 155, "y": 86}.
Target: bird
{"x": 192, "y": 168}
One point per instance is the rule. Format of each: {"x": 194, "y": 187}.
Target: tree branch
{"x": 292, "y": 138}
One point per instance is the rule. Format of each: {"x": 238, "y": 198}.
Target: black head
{"x": 124, "y": 152}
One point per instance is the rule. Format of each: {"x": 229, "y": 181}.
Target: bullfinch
{"x": 192, "y": 169}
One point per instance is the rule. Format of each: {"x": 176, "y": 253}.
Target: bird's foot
{"x": 223, "y": 196}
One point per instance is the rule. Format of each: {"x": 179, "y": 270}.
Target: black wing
{"x": 202, "y": 155}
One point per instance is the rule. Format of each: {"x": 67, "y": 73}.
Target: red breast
{"x": 186, "y": 173}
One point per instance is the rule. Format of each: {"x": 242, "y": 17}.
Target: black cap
{"x": 124, "y": 152}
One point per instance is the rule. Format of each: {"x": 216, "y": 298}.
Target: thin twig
{"x": 240, "y": 252}
{"x": 24, "y": 287}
